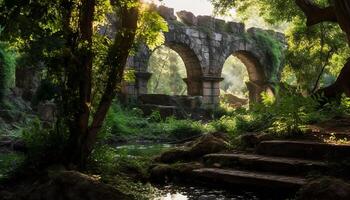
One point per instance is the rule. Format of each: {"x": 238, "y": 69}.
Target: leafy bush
{"x": 272, "y": 45}
{"x": 182, "y": 129}
{"x": 45, "y": 145}
{"x": 130, "y": 123}
{"x": 287, "y": 114}
{"x": 122, "y": 171}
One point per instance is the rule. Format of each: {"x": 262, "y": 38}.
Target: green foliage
{"x": 58, "y": 34}
{"x": 8, "y": 163}
{"x": 7, "y": 68}
{"x": 168, "y": 71}
{"x": 183, "y": 129}
{"x": 44, "y": 144}
{"x": 130, "y": 124}
{"x": 122, "y": 171}
{"x": 151, "y": 27}
{"x": 235, "y": 76}
{"x": 283, "y": 116}
{"x": 273, "y": 48}
{"x": 315, "y": 52}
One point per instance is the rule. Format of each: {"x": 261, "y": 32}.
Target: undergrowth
{"x": 130, "y": 124}
{"x": 284, "y": 116}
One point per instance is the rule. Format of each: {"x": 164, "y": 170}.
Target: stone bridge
{"x": 204, "y": 43}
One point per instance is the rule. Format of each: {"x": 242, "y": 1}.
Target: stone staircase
{"x": 277, "y": 164}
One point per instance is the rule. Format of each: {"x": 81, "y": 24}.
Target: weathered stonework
{"x": 204, "y": 43}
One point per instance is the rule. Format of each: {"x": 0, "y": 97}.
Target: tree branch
{"x": 315, "y": 14}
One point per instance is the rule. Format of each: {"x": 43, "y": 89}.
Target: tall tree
{"x": 87, "y": 66}
{"x": 335, "y": 11}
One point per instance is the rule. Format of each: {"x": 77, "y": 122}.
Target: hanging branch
{"x": 315, "y": 14}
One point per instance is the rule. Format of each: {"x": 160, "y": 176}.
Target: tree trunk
{"x": 341, "y": 85}
{"x": 82, "y": 136}
{"x": 340, "y": 13}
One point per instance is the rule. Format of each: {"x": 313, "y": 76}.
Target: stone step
{"x": 262, "y": 163}
{"x": 303, "y": 149}
{"x": 246, "y": 178}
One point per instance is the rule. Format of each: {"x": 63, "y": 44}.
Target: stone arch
{"x": 140, "y": 61}
{"x": 204, "y": 43}
{"x": 193, "y": 68}
{"x": 257, "y": 77}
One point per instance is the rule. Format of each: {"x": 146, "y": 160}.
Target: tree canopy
{"x": 86, "y": 66}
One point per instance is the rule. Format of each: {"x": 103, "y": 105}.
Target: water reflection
{"x": 173, "y": 192}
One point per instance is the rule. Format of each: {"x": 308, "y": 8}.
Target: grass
{"x": 130, "y": 124}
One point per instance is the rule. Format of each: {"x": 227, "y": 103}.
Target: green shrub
{"x": 45, "y": 145}
{"x": 273, "y": 48}
{"x": 130, "y": 123}
{"x": 183, "y": 129}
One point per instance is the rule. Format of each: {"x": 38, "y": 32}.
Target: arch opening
{"x": 244, "y": 80}
{"x": 175, "y": 71}
{"x": 168, "y": 71}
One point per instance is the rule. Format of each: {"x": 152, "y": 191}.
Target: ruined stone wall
{"x": 204, "y": 43}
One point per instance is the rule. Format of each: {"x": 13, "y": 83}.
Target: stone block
{"x": 47, "y": 111}
{"x": 207, "y": 91}
{"x": 220, "y": 25}
{"x": 166, "y": 13}
{"x": 234, "y": 27}
{"x": 206, "y": 84}
{"x": 206, "y": 56}
{"x": 187, "y": 17}
{"x": 206, "y": 22}
{"x": 205, "y": 49}
{"x": 192, "y": 32}
{"x": 203, "y": 35}
{"x": 217, "y": 36}
{"x": 216, "y": 91}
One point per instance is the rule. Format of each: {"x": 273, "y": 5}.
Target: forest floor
{"x": 135, "y": 140}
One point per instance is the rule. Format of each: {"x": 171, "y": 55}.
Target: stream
{"x": 187, "y": 192}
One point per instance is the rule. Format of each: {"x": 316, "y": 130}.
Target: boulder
{"x": 251, "y": 140}
{"x": 164, "y": 172}
{"x": 234, "y": 101}
{"x": 325, "y": 188}
{"x": 70, "y": 185}
{"x": 187, "y": 17}
{"x": 47, "y": 111}
{"x": 204, "y": 145}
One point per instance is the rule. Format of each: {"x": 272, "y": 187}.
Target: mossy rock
{"x": 325, "y": 188}
{"x": 165, "y": 172}
{"x": 68, "y": 185}
{"x": 206, "y": 144}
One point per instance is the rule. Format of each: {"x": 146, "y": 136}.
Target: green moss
{"x": 273, "y": 48}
